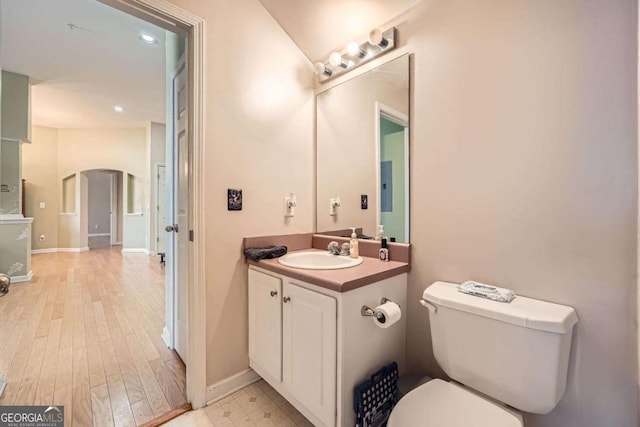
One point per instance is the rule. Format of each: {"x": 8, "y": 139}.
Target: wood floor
{"x": 85, "y": 333}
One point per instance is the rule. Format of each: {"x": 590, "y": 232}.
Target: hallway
{"x": 85, "y": 333}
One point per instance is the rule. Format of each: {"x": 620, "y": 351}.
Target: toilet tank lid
{"x": 522, "y": 311}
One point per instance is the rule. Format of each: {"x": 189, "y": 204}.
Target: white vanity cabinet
{"x": 312, "y": 344}
{"x": 292, "y": 340}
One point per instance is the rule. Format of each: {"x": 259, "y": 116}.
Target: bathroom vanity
{"x": 309, "y": 340}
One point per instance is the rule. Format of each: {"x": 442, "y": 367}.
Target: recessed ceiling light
{"x": 118, "y": 109}
{"x": 148, "y": 39}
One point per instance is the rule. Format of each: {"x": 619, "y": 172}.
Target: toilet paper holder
{"x": 370, "y": 312}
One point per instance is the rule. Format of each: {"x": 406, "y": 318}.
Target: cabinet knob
{"x": 286, "y": 299}
{"x": 274, "y": 293}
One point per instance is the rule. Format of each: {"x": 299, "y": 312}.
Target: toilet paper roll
{"x": 389, "y": 313}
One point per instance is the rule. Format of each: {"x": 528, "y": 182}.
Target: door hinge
{"x": 191, "y": 235}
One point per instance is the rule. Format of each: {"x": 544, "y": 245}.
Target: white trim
{"x": 53, "y": 250}
{"x": 166, "y": 337}
{"x": 44, "y": 251}
{"x": 18, "y": 279}
{"x": 135, "y": 251}
{"x": 117, "y": 244}
{"x": 73, "y": 249}
{"x": 172, "y": 17}
{"x": 6, "y": 219}
{"x": 68, "y": 214}
{"x": 230, "y": 385}
{"x": 134, "y": 214}
{"x": 99, "y": 235}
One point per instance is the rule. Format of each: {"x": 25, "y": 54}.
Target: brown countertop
{"x": 341, "y": 280}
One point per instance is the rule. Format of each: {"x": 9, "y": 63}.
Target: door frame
{"x": 399, "y": 118}
{"x": 173, "y": 18}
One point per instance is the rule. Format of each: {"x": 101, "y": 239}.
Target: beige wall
{"x": 524, "y": 174}
{"x": 41, "y": 174}
{"x": 258, "y": 138}
{"x": 58, "y": 153}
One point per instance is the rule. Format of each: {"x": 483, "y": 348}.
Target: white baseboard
{"x": 99, "y": 234}
{"x": 166, "y": 337}
{"x": 44, "y": 251}
{"x": 135, "y": 251}
{"x": 53, "y": 250}
{"x": 25, "y": 278}
{"x": 230, "y": 385}
{"x": 73, "y": 249}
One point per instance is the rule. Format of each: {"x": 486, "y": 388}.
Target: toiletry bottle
{"x": 353, "y": 244}
{"x": 380, "y": 233}
{"x": 384, "y": 251}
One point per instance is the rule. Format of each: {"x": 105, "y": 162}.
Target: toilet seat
{"x": 438, "y": 403}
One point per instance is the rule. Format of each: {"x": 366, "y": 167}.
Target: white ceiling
{"x": 79, "y": 74}
{"x": 320, "y": 26}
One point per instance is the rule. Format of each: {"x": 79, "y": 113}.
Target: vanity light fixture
{"x": 378, "y": 43}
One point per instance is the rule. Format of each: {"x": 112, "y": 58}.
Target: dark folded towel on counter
{"x": 268, "y": 252}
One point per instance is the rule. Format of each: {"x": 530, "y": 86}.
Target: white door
{"x": 178, "y": 268}
{"x": 265, "y": 324}
{"x": 161, "y": 209}
{"x": 309, "y": 350}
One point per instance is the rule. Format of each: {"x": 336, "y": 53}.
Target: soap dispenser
{"x": 353, "y": 244}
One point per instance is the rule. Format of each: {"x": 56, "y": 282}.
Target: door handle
{"x": 170, "y": 228}
{"x": 286, "y": 299}
{"x": 274, "y": 293}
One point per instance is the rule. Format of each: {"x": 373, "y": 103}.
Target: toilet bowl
{"x": 500, "y": 354}
{"x": 438, "y": 403}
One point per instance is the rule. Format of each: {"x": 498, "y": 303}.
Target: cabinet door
{"x": 265, "y": 324}
{"x": 309, "y": 350}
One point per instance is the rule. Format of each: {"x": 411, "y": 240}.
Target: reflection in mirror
{"x": 363, "y": 153}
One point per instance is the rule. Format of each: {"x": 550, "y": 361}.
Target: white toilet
{"x": 499, "y": 354}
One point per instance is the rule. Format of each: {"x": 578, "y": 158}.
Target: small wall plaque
{"x": 364, "y": 201}
{"x": 234, "y": 200}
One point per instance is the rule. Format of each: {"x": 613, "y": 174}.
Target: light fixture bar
{"x": 354, "y": 55}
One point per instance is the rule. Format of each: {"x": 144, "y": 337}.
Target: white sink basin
{"x": 318, "y": 261}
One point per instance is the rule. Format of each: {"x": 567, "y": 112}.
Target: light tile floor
{"x": 256, "y": 405}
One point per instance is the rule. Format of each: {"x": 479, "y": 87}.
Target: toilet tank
{"x": 517, "y": 352}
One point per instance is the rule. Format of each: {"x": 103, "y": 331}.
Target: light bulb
{"x": 336, "y": 60}
{"x": 376, "y": 38}
{"x": 319, "y": 68}
{"x": 118, "y": 109}
{"x": 354, "y": 49}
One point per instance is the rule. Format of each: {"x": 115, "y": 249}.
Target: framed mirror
{"x": 362, "y": 148}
